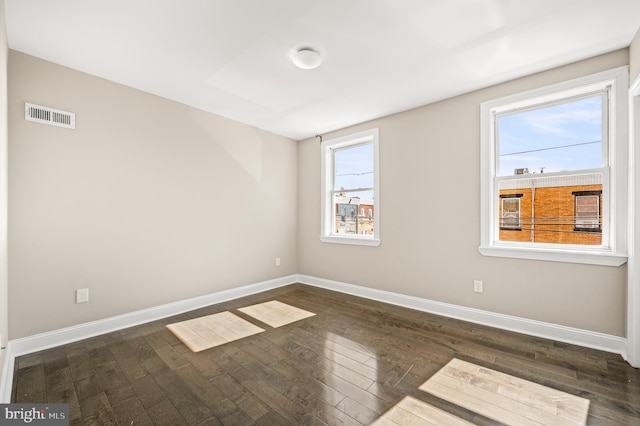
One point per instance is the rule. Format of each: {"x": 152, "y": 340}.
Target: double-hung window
{"x": 350, "y": 190}
{"x": 563, "y": 150}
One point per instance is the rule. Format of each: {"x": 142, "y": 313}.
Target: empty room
{"x": 345, "y": 212}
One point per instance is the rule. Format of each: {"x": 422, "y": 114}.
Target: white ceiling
{"x": 233, "y": 57}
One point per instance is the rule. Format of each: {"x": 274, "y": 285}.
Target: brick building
{"x": 354, "y": 215}
{"x": 555, "y": 209}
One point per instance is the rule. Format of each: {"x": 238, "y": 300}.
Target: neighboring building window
{"x": 563, "y": 147}
{"x": 587, "y": 211}
{"x": 349, "y": 188}
{"x": 510, "y": 216}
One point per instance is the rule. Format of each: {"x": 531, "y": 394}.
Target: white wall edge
{"x": 7, "y": 376}
{"x": 576, "y": 336}
{"x": 74, "y": 333}
{"x": 633, "y": 274}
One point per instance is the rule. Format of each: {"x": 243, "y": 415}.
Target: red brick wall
{"x": 554, "y": 216}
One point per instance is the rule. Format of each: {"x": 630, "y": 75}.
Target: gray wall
{"x": 430, "y": 207}
{"x": 147, "y": 202}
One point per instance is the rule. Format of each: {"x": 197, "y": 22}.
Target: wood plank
{"x": 97, "y": 410}
{"x": 148, "y": 391}
{"x": 30, "y": 383}
{"x": 164, "y": 413}
{"x": 127, "y": 360}
{"x": 88, "y": 387}
{"x": 357, "y": 411}
{"x": 183, "y": 399}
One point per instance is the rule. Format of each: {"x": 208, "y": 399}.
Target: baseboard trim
{"x": 576, "y": 336}
{"x": 38, "y": 342}
{"x": 74, "y": 333}
{"x": 30, "y": 344}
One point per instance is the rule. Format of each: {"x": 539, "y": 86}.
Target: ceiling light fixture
{"x": 307, "y": 59}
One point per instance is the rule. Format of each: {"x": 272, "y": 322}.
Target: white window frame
{"x": 327, "y": 233}
{"x": 613, "y": 251}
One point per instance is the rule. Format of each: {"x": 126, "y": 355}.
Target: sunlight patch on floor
{"x": 411, "y": 411}
{"x": 212, "y": 330}
{"x": 505, "y": 398}
{"x": 275, "y": 313}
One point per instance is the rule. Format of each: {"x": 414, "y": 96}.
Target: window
{"x": 350, "y": 188}
{"x": 587, "y": 211}
{"x": 510, "y": 217}
{"x": 563, "y": 150}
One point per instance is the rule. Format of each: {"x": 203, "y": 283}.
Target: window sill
{"x": 555, "y": 255}
{"x": 358, "y": 241}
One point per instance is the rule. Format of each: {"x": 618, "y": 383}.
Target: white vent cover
{"x": 51, "y": 116}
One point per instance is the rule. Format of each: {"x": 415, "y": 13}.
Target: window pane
{"x": 354, "y": 167}
{"x": 354, "y": 212}
{"x": 588, "y": 211}
{"x": 561, "y": 137}
{"x": 510, "y": 213}
{"x": 548, "y": 210}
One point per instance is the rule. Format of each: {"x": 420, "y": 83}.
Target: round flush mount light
{"x": 307, "y": 59}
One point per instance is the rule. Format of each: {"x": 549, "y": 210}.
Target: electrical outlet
{"x": 277, "y": 261}
{"x": 477, "y": 286}
{"x": 82, "y": 295}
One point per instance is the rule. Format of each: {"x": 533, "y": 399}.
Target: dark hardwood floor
{"x": 348, "y": 364}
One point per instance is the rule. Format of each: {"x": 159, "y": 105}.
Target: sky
{"x": 557, "y": 138}
{"x": 354, "y": 169}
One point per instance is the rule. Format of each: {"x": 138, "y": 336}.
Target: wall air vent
{"x": 46, "y": 115}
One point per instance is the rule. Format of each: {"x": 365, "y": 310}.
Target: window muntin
{"x": 611, "y": 175}
{"x": 350, "y": 191}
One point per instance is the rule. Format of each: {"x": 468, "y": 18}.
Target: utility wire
{"x": 550, "y": 148}
{"x": 355, "y": 174}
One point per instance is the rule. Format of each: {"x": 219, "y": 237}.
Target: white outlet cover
{"x": 82, "y": 295}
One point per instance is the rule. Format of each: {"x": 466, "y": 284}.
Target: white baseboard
{"x": 63, "y": 336}
{"x": 576, "y": 336}
{"x": 74, "y": 333}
